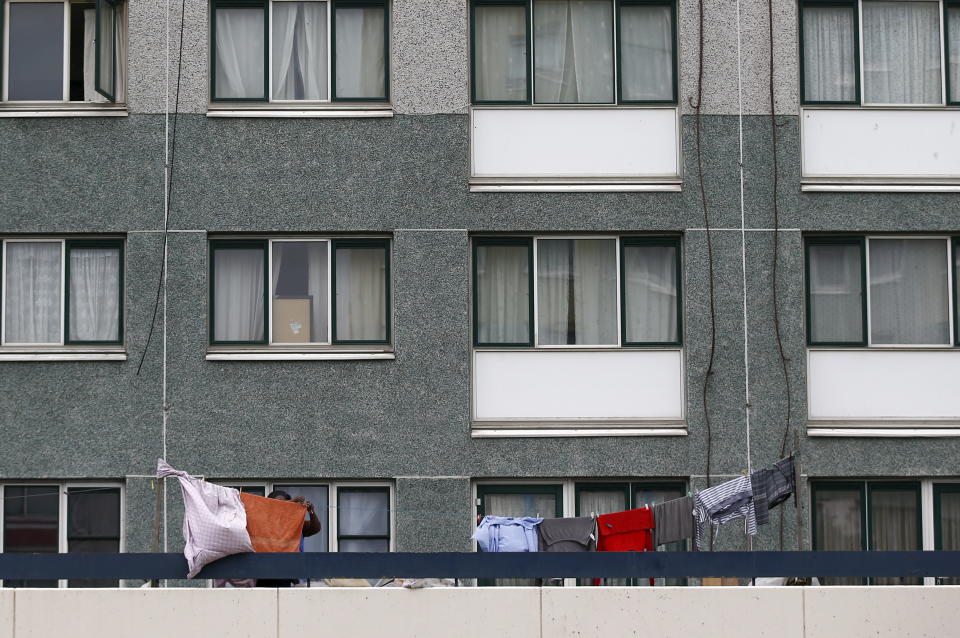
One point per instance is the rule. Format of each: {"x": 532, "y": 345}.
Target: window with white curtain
{"x": 574, "y": 51}
{"x": 300, "y": 291}
{"x": 864, "y": 516}
{"x": 62, "y": 292}
{"x": 57, "y": 51}
{"x": 880, "y": 291}
{"x": 300, "y": 50}
{"x": 884, "y": 52}
{"x": 579, "y": 291}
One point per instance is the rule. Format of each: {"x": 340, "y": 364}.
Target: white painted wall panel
{"x": 583, "y": 142}
{"x": 883, "y": 384}
{"x": 568, "y": 385}
{"x": 881, "y": 143}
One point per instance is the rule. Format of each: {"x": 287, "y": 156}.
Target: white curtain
{"x": 240, "y": 48}
{"x": 953, "y": 54}
{"x": 94, "y": 294}
{"x": 577, "y": 291}
{"x": 503, "y": 294}
{"x": 32, "y": 292}
{"x": 90, "y": 57}
{"x": 300, "y": 50}
{"x": 949, "y": 523}
{"x": 363, "y": 514}
{"x": 836, "y": 295}
{"x": 838, "y": 525}
{"x": 238, "y": 295}
{"x": 361, "y": 62}
{"x": 893, "y": 526}
{"x": 361, "y": 294}
{"x": 646, "y": 52}
{"x": 829, "y": 54}
{"x": 651, "y": 293}
{"x": 909, "y": 300}
{"x": 500, "y": 53}
{"x": 573, "y": 51}
{"x": 901, "y": 52}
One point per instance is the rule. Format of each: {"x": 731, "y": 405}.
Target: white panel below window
{"x": 871, "y": 146}
{"x": 883, "y": 388}
{"x": 568, "y": 143}
{"x": 630, "y": 386}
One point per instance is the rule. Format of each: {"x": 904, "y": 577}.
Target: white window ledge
{"x": 891, "y": 185}
{"x": 886, "y": 431}
{"x": 85, "y": 354}
{"x": 317, "y": 112}
{"x": 319, "y": 355}
{"x": 63, "y": 110}
{"x": 545, "y": 432}
{"x": 574, "y": 185}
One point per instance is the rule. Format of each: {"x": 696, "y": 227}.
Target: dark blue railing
{"x": 477, "y": 565}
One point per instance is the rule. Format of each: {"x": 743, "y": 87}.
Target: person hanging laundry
{"x": 771, "y": 487}
{"x": 568, "y": 534}
{"x": 721, "y": 504}
{"x": 507, "y": 534}
{"x": 673, "y": 520}
{"x": 275, "y": 526}
{"x": 214, "y": 522}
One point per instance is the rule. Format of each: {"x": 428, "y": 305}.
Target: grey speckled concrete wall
{"x": 430, "y": 69}
{"x": 408, "y": 417}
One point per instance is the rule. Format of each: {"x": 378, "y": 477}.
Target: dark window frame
{"x": 530, "y": 99}
{"x": 939, "y": 489}
{"x": 69, "y": 245}
{"x": 623, "y": 241}
{"x": 108, "y": 92}
{"x": 238, "y": 244}
{"x": 857, "y": 29}
{"x": 332, "y": 6}
{"x": 338, "y": 243}
{"x": 837, "y": 240}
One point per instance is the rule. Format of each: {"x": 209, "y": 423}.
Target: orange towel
{"x": 273, "y": 525}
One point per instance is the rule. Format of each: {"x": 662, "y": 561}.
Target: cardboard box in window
{"x": 721, "y": 582}
{"x": 291, "y": 319}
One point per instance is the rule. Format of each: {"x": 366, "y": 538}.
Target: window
{"x": 874, "y": 515}
{"x": 879, "y": 51}
{"x": 63, "y": 51}
{"x": 55, "y": 518}
{"x": 874, "y": 291}
{"x": 607, "y": 498}
{"x": 300, "y": 51}
{"x": 574, "y": 51}
{"x": 300, "y": 292}
{"x": 557, "y": 291}
{"x": 946, "y": 517}
{"x": 362, "y": 519}
{"x": 62, "y": 291}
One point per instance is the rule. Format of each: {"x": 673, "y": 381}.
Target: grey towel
{"x": 771, "y": 487}
{"x": 673, "y": 521}
{"x": 567, "y": 534}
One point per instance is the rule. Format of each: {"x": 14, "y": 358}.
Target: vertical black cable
{"x": 166, "y": 217}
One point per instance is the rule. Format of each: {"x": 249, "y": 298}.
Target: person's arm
{"x": 311, "y": 526}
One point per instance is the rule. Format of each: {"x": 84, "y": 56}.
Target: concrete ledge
{"x": 426, "y": 613}
{"x": 6, "y": 613}
{"x": 881, "y": 612}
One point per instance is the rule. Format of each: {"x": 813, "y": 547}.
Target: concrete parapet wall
{"x": 744, "y": 612}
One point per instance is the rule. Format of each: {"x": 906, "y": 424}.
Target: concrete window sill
{"x": 61, "y": 354}
{"x": 287, "y": 355}
{"x": 308, "y": 112}
{"x": 62, "y": 110}
{"x": 586, "y": 430}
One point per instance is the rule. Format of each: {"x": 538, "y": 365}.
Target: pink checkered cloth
{"x": 214, "y": 522}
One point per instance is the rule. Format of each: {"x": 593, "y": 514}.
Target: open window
{"x": 55, "y": 51}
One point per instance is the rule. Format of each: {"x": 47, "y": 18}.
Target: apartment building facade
{"x": 420, "y": 261}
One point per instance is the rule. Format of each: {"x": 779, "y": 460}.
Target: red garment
{"x": 630, "y": 531}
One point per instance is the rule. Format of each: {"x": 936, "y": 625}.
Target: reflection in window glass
{"x": 838, "y": 525}
{"x": 363, "y": 517}
{"x": 836, "y": 295}
{"x": 894, "y": 516}
{"x": 93, "y": 526}
{"x": 646, "y": 53}
{"x": 31, "y": 517}
{"x": 35, "y": 51}
{"x": 948, "y": 531}
{"x": 500, "y": 53}
{"x": 360, "y": 55}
